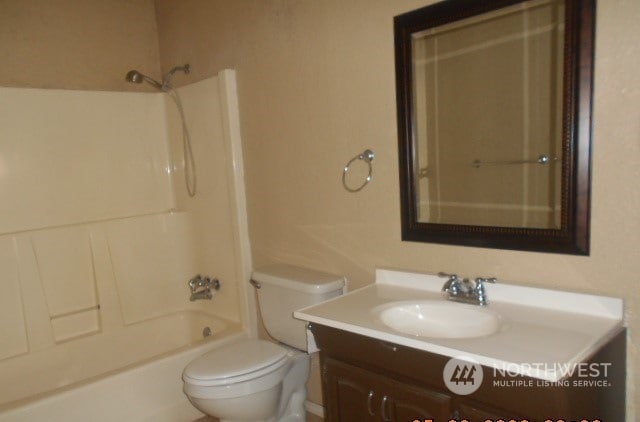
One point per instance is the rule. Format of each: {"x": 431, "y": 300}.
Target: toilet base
{"x": 236, "y": 409}
{"x": 294, "y": 412}
{"x": 294, "y": 386}
{"x": 285, "y": 400}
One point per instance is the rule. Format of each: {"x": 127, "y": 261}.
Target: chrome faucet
{"x": 464, "y": 290}
{"x": 201, "y": 287}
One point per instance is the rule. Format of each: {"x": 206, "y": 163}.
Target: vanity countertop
{"x": 543, "y": 334}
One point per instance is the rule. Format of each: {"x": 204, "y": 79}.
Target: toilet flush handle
{"x": 255, "y": 283}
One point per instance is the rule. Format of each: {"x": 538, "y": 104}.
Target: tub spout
{"x": 202, "y": 294}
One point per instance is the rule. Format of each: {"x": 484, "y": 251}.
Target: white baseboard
{"x": 314, "y": 408}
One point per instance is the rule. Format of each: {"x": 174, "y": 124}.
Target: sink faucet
{"x": 464, "y": 290}
{"x": 201, "y": 287}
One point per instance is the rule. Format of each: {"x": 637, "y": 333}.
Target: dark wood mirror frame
{"x": 573, "y": 236}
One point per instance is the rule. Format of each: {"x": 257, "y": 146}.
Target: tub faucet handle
{"x": 201, "y": 287}
{"x": 195, "y": 282}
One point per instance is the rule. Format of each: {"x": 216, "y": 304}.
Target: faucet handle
{"x": 195, "y": 281}
{"x": 480, "y": 292}
{"x": 481, "y": 280}
{"x": 452, "y": 285}
{"x": 449, "y": 276}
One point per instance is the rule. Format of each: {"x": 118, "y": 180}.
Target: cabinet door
{"x": 349, "y": 392}
{"x": 355, "y": 394}
{"x": 407, "y": 402}
{"x": 473, "y": 412}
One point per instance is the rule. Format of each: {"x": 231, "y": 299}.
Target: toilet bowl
{"x": 245, "y": 382}
{"x": 258, "y": 380}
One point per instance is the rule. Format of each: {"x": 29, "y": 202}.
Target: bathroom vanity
{"x": 369, "y": 379}
{"x": 553, "y": 355}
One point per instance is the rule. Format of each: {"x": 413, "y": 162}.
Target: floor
{"x": 310, "y": 418}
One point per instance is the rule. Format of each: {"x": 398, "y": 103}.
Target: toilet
{"x": 258, "y": 380}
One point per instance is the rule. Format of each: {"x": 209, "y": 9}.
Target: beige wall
{"x": 77, "y": 44}
{"x": 316, "y": 84}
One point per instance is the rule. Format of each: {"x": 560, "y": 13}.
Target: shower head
{"x": 136, "y": 77}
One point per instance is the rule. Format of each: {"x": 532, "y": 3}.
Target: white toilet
{"x": 257, "y": 380}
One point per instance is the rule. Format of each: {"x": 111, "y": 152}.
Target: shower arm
{"x": 186, "y": 69}
{"x": 166, "y": 80}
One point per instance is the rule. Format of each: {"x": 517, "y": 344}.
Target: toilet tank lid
{"x": 298, "y": 278}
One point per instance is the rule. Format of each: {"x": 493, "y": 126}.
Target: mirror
{"x": 494, "y": 123}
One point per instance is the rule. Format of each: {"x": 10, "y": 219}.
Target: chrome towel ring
{"x": 368, "y": 156}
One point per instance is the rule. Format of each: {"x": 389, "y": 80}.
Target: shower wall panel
{"x": 76, "y": 156}
{"x": 153, "y": 257}
{"x": 68, "y": 281}
{"x": 13, "y": 340}
{"x": 213, "y": 210}
{"x": 72, "y": 282}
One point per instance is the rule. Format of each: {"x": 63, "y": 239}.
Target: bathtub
{"x": 115, "y": 377}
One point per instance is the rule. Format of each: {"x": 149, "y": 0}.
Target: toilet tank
{"x": 285, "y": 289}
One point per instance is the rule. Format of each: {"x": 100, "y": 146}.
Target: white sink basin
{"x": 439, "y": 319}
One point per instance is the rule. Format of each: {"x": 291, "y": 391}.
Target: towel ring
{"x": 368, "y": 156}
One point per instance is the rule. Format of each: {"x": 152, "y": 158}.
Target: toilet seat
{"x": 235, "y": 363}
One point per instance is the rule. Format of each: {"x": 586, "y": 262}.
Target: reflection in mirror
{"x": 488, "y": 121}
{"x": 494, "y": 123}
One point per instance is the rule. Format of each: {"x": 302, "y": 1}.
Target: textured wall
{"x": 77, "y": 44}
{"x": 316, "y": 84}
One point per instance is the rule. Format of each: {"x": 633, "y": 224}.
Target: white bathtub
{"x": 111, "y": 387}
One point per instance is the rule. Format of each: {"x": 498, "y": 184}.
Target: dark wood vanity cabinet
{"x": 358, "y": 394}
{"x": 365, "y": 379}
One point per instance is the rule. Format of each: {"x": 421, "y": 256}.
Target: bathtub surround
{"x": 97, "y": 259}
